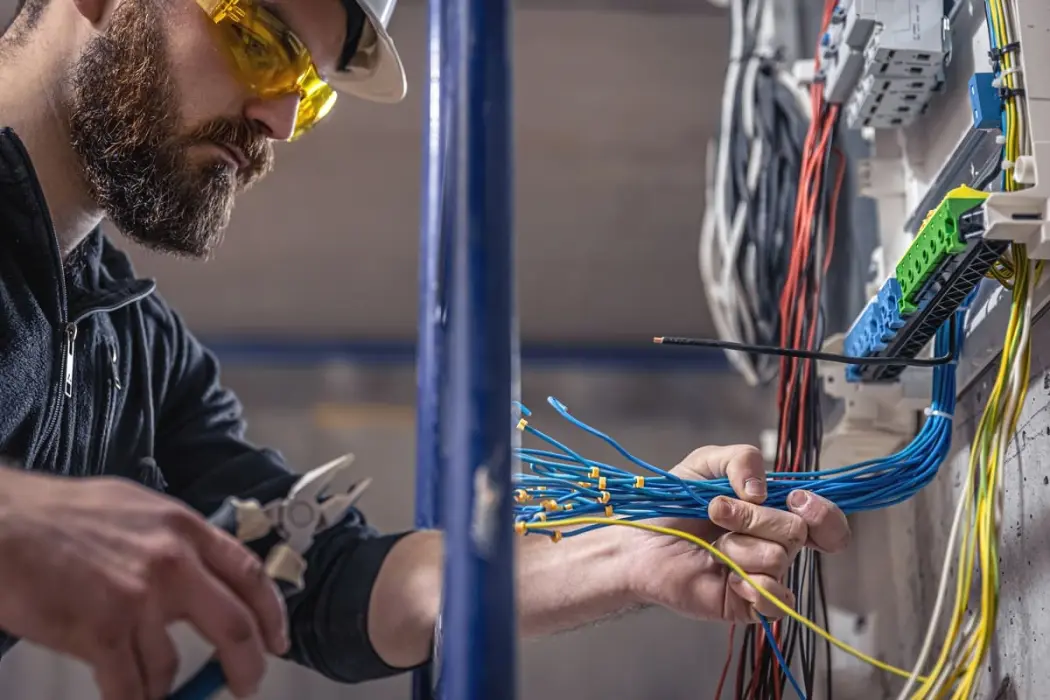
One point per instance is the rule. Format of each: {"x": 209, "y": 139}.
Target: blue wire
{"x": 780, "y": 657}
{"x": 562, "y": 483}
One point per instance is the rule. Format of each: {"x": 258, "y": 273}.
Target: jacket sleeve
{"x": 202, "y": 452}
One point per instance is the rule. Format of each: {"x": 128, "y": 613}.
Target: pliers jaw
{"x": 319, "y": 500}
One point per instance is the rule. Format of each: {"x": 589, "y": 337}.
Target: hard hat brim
{"x": 383, "y": 78}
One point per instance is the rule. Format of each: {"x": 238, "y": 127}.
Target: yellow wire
{"x": 998, "y": 423}
{"x": 962, "y": 654}
{"x": 735, "y": 568}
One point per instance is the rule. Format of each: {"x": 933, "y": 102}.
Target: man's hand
{"x": 98, "y": 568}
{"x": 676, "y": 574}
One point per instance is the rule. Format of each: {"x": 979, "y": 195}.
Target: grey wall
{"x": 314, "y": 414}
{"x": 615, "y": 103}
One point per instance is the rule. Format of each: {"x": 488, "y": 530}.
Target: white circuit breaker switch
{"x": 888, "y": 103}
{"x": 904, "y": 57}
{"x": 908, "y": 34}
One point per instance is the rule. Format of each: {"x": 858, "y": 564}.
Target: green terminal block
{"x": 938, "y": 239}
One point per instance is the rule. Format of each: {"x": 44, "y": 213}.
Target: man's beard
{"x": 125, "y": 128}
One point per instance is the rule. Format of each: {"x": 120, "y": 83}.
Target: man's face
{"x": 165, "y": 133}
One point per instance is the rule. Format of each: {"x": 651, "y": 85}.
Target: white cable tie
{"x": 938, "y": 414}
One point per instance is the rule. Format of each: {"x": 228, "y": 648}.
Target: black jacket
{"x": 98, "y": 375}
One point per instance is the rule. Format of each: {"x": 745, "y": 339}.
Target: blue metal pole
{"x": 433, "y": 241}
{"x": 478, "y": 652}
{"x": 430, "y": 358}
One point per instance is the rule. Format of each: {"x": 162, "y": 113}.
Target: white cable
{"x": 728, "y": 269}
{"x": 722, "y": 297}
{"x": 942, "y": 592}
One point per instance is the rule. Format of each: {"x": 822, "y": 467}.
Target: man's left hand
{"x": 674, "y": 573}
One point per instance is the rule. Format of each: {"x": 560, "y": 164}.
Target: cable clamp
{"x": 935, "y": 413}
{"x": 998, "y": 53}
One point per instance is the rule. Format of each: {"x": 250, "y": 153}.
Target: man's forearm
{"x": 560, "y": 586}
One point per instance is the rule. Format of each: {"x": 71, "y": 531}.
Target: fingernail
{"x": 798, "y": 499}
{"x": 723, "y": 508}
{"x": 755, "y": 488}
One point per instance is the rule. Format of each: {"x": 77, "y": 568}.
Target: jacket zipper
{"x": 69, "y": 326}
{"x": 71, "y": 348}
{"x": 111, "y": 400}
{"x": 69, "y": 358}
{"x": 66, "y": 370}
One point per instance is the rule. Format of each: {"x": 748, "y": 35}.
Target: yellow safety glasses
{"x": 270, "y": 59}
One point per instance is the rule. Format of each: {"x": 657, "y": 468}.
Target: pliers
{"x": 319, "y": 500}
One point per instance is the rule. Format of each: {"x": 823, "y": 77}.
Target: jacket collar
{"x": 95, "y": 277}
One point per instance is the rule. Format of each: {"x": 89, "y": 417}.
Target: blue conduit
{"x": 477, "y": 654}
{"x": 434, "y": 238}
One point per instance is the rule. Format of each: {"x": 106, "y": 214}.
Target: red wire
{"x": 806, "y": 367}
{"x": 796, "y": 289}
{"x": 728, "y": 663}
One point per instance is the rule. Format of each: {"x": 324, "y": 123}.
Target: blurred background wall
{"x": 314, "y": 413}
{"x": 311, "y": 302}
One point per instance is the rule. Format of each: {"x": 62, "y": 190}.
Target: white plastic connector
{"x": 1022, "y": 216}
{"x": 1025, "y": 171}
{"x": 804, "y": 71}
{"x": 877, "y": 420}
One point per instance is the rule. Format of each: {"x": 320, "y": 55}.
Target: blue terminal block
{"x": 875, "y": 327}
{"x": 985, "y": 103}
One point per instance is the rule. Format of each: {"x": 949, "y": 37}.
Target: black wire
{"x": 827, "y": 624}
{"x": 795, "y": 404}
{"x": 813, "y": 355}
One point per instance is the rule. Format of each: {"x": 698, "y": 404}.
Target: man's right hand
{"x": 98, "y": 569}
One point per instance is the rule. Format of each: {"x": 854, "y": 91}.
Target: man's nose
{"x": 273, "y": 117}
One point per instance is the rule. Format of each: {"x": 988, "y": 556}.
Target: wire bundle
{"x": 800, "y": 432}
{"x": 753, "y": 182}
{"x": 976, "y": 528}
{"x": 561, "y": 483}
{"x": 565, "y": 489}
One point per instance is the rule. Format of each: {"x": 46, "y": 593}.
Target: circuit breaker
{"x": 883, "y": 59}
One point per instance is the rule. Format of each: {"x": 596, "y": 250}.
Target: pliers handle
{"x": 319, "y": 500}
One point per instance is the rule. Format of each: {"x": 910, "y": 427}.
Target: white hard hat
{"x": 372, "y": 68}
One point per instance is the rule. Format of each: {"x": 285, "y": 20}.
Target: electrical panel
{"x": 883, "y": 60}
{"x": 929, "y": 92}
